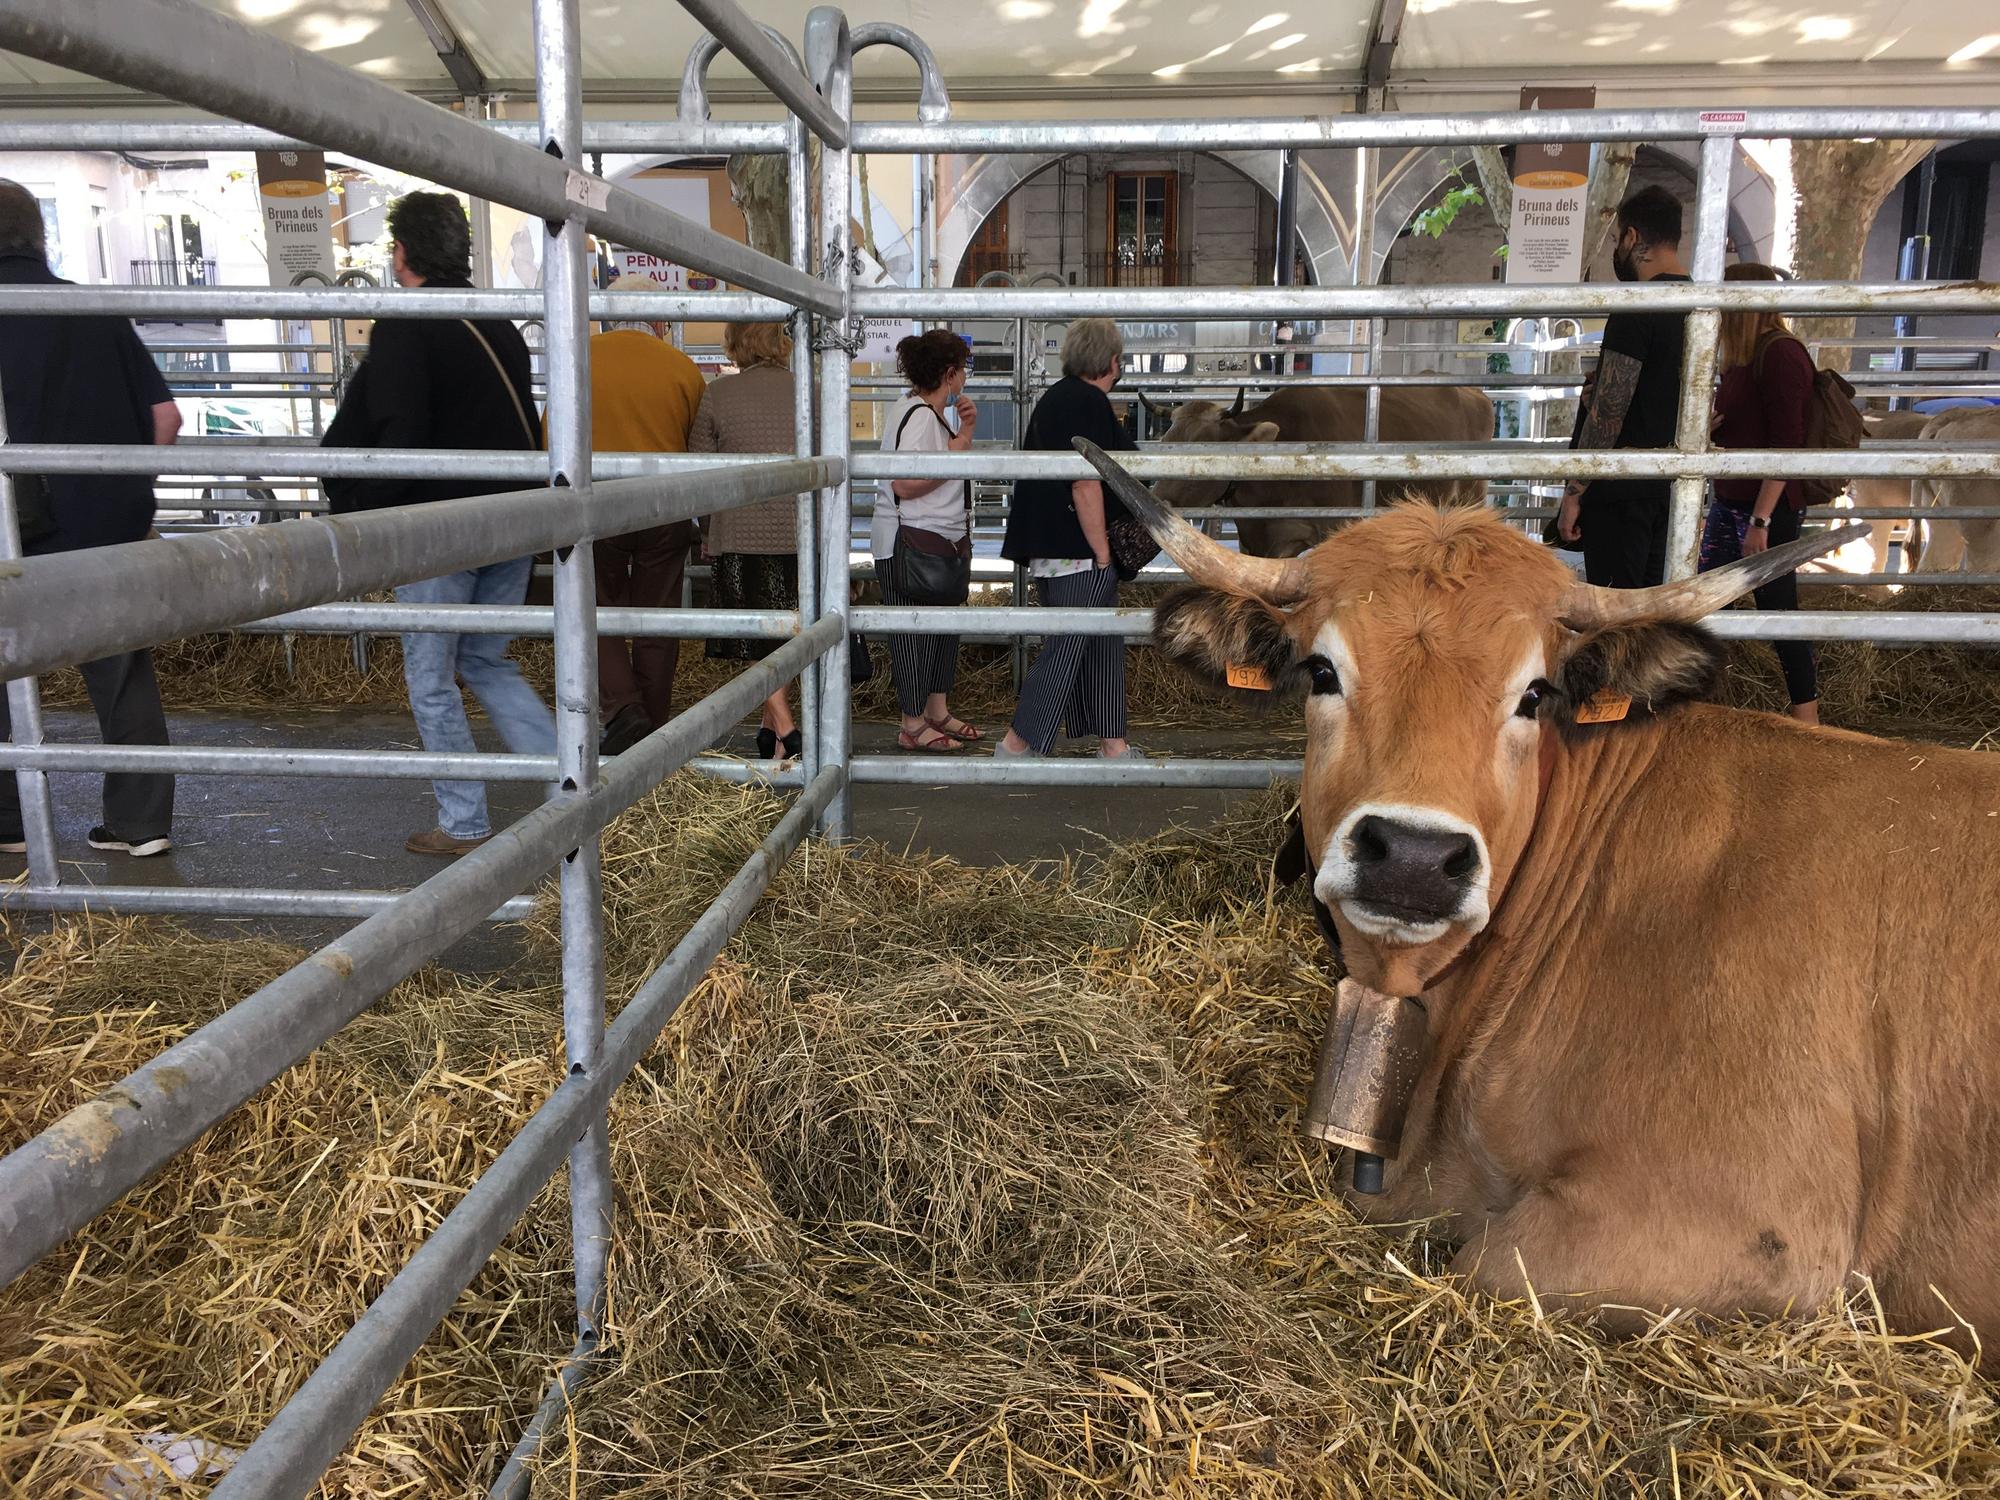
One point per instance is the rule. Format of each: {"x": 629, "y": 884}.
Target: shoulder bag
{"x": 925, "y": 567}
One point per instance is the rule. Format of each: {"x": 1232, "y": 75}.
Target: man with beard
{"x": 1633, "y": 402}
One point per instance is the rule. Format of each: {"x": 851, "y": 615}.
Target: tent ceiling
{"x": 1279, "y": 41}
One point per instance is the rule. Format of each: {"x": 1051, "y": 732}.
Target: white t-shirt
{"x": 943, "y": 509}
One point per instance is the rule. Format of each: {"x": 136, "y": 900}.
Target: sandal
{"x": 944, "y": 744}
{"x": 957, "y": 729}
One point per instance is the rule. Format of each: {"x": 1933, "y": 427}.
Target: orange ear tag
{"x": 1604, "y": 707}
{"x": 1241, "y": 675}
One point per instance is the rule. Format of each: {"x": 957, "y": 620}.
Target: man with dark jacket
{"x": 85, "y": 380}
{"x": 448, "y": 383}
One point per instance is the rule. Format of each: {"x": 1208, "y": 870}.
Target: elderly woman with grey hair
{"x": 1060, "y": 530}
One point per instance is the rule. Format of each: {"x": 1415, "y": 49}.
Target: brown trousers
{"x": 641, "y": 570}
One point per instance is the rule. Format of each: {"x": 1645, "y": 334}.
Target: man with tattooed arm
{"x": 1633, "y": 401}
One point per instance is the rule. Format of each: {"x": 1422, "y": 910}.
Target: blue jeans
{"x": 433, "y": 661}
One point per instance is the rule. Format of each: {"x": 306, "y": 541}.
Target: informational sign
{"x": 298, "y": 222}
{"x": 1155, "y": 335}
{"x": 879, "y": 337}
{"x": 686, "y": 195}
{"x": 1551, "y": 190}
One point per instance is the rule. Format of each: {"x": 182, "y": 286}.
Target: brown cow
{"x": 1707, "y": 992}
{"x": 1322, "y": 414}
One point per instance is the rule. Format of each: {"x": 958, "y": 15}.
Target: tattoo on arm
{"x": 1617, "y": 379}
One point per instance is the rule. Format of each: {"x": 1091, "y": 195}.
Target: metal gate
{"x": 59, "y": 609}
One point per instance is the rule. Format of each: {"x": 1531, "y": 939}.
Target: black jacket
{"x": 427, "y": 383}
{"x": 1042, "y": 521}
{"x": 80, "y": 380}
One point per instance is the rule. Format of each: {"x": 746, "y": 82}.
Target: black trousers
{"x": 1625, "y": 533}
{"x": 137, "y": 805}
{"x": 1722, "y": 543}
{"x": 1078, "y": 681}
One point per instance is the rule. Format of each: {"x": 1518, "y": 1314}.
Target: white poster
{"x": 1551, "y": 190}
{"x": 298, "y": 226}
{"x": 879, "y": 337}
{"x": 686, "y": 196}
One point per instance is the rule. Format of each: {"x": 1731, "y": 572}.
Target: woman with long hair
{"x": 1763, "y": 400}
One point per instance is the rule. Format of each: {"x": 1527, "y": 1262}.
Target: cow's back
{"x": 1338, "y": 414}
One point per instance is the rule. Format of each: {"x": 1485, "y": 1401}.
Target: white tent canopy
{"x": 633, "y": 46}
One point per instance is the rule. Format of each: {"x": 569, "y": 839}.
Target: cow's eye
{"x": 1324, "y": 678}
{"x": 1531, "y": 700}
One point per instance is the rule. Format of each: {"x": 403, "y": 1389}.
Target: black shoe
{"x": 767, "y": 744}
{"x": 627, "y": 727}
{"x": 103, "y": 838}
{"x": 794, "y": 742}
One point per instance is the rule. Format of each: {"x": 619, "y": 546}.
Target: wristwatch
{"x": 1762, "y": 523}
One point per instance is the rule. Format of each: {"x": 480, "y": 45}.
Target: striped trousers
{"x": 920, "y": 664}
{"x": 1077, "y": 683}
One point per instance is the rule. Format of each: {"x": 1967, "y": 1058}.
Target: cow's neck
{"x": 1586, "y": 783}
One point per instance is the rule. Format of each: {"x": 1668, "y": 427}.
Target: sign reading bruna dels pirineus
{"x": 298, "y": 222}
{"x": 1551, "y": 195}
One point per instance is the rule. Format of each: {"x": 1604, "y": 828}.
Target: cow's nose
{"x": 1410, "y": 870}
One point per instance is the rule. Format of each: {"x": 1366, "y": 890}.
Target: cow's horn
{"x": 1149, "y": 403}
{"x": 1588, "y": 607}
{"x": 1237, "y": 409}
{"x": 1279, "y": 581}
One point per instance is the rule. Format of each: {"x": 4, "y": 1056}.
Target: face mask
{"x": 1624, "y": 263}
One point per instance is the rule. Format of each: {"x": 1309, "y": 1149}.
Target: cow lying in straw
{"x": 1705, "y": 991}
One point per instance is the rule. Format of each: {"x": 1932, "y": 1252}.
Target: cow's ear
{"x": 1635, "y": 671}
{"x": 1230, "y": 643}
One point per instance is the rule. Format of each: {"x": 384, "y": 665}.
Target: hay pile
{"x": 946, "y": 1182}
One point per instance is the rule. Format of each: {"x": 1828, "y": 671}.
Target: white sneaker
{"x": 1001, "y": 752}
{"x": 103, "y": 838}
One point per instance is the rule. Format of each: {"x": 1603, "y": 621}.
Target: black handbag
{"x": 1132, "y": 546}
{"x": 924, "y": 567}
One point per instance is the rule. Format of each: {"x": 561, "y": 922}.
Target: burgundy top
{"x": 1763, "y": 405}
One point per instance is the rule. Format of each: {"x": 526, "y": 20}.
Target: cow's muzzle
{"x": 1405, "y": 874}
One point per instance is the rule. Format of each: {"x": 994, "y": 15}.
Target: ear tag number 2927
{"x": 1604, "y": 707}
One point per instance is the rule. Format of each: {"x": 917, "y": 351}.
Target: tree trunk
{"x": 1828, "y": 194}
{"x": 758, "y": 184}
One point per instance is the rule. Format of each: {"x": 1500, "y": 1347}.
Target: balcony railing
{"x": 187, "y": 270}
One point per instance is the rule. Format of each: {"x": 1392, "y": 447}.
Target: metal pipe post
{"x": 1915, "y": 265}
{"x": 799, "y": 222}
{"x": 566, "y": 290}
{"x": 829, "y": 55}
{"x": 1284, "y": 257}
{"x": 1704, "y": 329}
{"x": 1366, "y": 174}
{"x": 746, "y": 40}
{"x": 24, "y": 708}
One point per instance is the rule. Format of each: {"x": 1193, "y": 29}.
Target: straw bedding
{"x": 946, "y": 1182}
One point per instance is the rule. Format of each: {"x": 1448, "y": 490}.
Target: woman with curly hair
{"x": 923, "y": 530}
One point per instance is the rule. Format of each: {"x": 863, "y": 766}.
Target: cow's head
{"x": 1435, "y": 648}
{"x": 1208, "y": 422}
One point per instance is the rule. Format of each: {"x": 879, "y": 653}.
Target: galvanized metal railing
{"x": 69, "y": 607}
{"x": 112, "y": 600}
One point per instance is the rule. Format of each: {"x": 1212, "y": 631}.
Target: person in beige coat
{"x": 754, "y": 548}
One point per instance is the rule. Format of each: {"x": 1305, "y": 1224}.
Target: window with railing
{"x": 1140, "y": 221}
{"x": 174, "y": 270}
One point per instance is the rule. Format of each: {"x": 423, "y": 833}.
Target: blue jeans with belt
{"x": 435, "y": 661}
